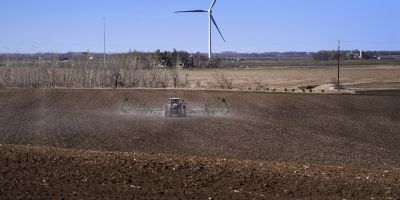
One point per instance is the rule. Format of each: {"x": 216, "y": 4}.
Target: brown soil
{"x": 301, "y": 146}
{"x": 48, "y": 173}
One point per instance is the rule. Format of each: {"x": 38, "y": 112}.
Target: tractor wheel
{"x": 184, "y": 112}
{"x": 166, "y": 112}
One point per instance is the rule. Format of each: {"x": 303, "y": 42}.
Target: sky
{"x": 31, "y": 26}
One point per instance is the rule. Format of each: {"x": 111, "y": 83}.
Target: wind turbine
{"x": 211, "y": 21}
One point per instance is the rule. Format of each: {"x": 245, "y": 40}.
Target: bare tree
{"x": 259, "y": 84}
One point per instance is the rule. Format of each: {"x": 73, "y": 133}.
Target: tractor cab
{"x": 175, "y": 103}
{"x": 175, "y": 106}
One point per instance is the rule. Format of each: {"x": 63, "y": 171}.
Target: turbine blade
{"x": 215, "y": 23}
{"x": 213, "y": 4}
{"x": 185, "y": 11}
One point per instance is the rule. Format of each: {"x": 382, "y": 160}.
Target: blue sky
{"x": 248, "y": 26}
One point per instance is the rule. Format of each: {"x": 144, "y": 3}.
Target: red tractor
{"x": 175, "y": 107}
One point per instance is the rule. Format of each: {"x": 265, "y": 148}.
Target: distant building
{"x": 388, "y": 57}
{"x": 361, "y": 54}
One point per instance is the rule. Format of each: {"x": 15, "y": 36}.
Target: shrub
{"x": 225, "y": 83}
{"x": 259, "y": 85}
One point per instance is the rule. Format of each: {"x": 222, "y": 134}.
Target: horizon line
{"x": 222, "y": 52}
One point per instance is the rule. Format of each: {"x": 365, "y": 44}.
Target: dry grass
{"x": 362, "y": 77}
{"x": 278, "y": 78}
{"x": 56, "y": 77}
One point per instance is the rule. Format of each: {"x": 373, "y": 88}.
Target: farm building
{"x": 389, "y": 57}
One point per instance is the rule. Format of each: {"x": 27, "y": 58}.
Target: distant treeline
{"x": 136, "y": 59}
{"x": 170, "y": 59}
{"x": 90, "y": 70}
{"x": 266, "y": 55}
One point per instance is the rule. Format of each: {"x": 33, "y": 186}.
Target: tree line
{"x": 132, "y": 59}
{"x": 157, "y": 69}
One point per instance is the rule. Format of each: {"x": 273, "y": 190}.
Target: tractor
{"x": 175, "y": 107}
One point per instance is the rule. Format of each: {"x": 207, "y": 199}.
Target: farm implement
{"x": 176, "y": 107}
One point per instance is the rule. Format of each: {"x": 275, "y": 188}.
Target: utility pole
{"x": 338, "y": 66}
{"x": 104, "y": 42}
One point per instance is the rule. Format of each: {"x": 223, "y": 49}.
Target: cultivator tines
{"x": 196, "y": 112}
{"x": 130, "y": 105}
{"x": 217, "y": 106}
{"x": 214, "y": 107}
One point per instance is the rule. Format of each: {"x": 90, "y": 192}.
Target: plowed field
{"x": 78, "y": 144}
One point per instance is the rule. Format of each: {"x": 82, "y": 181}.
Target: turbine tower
{"x": 211, "y": 21}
